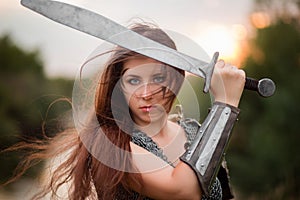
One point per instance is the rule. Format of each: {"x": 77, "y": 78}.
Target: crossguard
{"x": 210, "y": 71}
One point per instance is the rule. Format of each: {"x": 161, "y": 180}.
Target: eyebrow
{"x": 131, "y": 75}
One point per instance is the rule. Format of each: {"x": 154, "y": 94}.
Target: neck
{"x": 155, "y": 128}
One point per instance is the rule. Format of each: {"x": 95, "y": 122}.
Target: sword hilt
{"x": 265, "y": 87}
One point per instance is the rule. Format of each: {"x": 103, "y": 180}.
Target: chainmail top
{"x": 147, "y": 143}
{"x": 190, "y": 127}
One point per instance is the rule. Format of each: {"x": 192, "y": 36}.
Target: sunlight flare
{"x": 227, "y": 40}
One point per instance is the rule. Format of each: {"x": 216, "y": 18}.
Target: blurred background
{"x": 39, "y": 60}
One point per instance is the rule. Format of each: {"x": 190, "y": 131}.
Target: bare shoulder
{"x": 175, "y": 128}
{"x": 144, "y": 160}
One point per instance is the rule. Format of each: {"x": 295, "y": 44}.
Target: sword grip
{"x": 265, "y": 87}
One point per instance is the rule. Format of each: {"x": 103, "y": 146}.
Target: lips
{"x": 146, "y": 108}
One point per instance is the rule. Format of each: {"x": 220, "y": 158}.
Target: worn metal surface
{"x": 208, "y": 149}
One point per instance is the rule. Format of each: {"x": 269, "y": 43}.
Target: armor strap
{"x": 206, "y": 152}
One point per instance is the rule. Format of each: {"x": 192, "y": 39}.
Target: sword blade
{"x": 101, "y": 27}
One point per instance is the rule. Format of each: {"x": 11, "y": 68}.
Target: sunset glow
{"x": 227, "y": 41}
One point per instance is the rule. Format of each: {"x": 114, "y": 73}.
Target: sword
{"x": 101, "y": 27}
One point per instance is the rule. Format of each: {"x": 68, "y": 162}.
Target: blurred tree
{"x": 26, "y": 96}
{"x": 264, "y": 155}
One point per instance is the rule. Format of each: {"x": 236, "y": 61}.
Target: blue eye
{"x": 134, "y": 81}
{"x": 159, "y": 79}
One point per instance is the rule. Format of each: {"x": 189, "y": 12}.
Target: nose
{"x": 145, "y": 92}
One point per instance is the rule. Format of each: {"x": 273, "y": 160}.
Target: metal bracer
{"x": 206, "y": 152}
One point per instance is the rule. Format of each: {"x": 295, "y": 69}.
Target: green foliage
{"x": 194, "y": 102}
{"x": 265, "y": 152}
{"x": 14, "y": 59}
{"x": 25, "y": 103}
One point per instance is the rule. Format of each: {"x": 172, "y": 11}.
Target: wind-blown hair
{"x": 87, "y": 176}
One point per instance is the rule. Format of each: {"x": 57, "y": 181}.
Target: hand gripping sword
{"x": 101, "y": 27}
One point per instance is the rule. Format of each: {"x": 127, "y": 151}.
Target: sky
{"x": 215, "y": 25}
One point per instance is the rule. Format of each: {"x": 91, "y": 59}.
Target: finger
{"x": 242, "y": 73}
{"x": 234, "y": 68}
{"x": 231, "y": 67}
{"x": 220, "y": 64}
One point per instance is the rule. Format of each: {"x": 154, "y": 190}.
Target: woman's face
{"x": 144, "y": 83}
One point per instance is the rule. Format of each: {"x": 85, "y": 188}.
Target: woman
{"x": 129, "y": 149}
